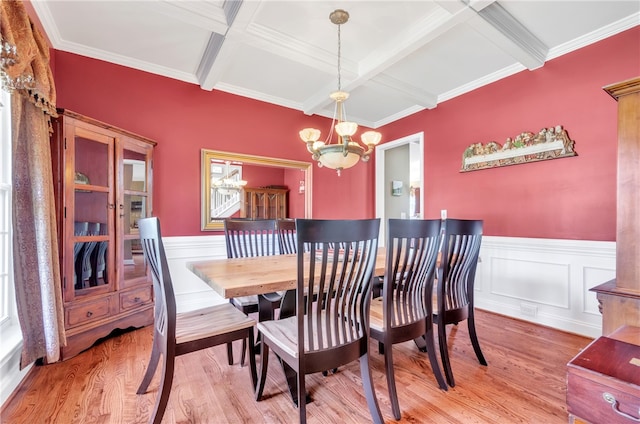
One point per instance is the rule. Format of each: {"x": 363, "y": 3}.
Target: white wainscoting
{"x": 544, "y": 281}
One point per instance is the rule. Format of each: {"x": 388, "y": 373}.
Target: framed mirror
{"x": 248, "y": 186}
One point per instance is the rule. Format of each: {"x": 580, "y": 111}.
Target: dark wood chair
{"x": 177, "y": 334}
{"x": 245, "y": 238}
{"x": 455, "y": 285}
{"x": 329, "y": 327}
{"x": 287, "y": 236}
{"x": 404, "y": 312}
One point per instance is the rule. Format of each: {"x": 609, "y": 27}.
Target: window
{"x": 7, "y": 301}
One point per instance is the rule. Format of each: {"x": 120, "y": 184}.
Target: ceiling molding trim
{"x": 416, "y": 94}
{"x": 531, "y": 51}
{"x": 258, "y": 96}
{"x": 48, "y": 23}
{"x": 201, "y": 14}
{"x": 209, "y": 57}
{"x": 293, "y": 49}
{"x": 595, "y": 36}
{"x": 396, "y": 116}
{"x": 480, "y": 82}
{"x": 394, "y": 50}
{"x": 117, "y": 59}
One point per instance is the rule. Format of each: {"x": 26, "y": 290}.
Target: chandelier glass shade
{"x": 230, "y": 183}
{"x": 344, "y": 153}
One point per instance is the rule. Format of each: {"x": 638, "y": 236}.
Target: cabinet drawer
{"x": 87, "y": 312}
{"x": 135, "y": 298}
{"x": 585, "y": 399}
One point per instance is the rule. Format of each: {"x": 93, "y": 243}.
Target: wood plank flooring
{"x": 523, "y": 383}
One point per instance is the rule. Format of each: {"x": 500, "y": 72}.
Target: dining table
{"x": 263, "y": 276}
{"x": 258, "y": 275}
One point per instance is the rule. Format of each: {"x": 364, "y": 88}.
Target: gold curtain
{"x": 35, "y": 245}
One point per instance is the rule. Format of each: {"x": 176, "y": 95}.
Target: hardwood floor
{"x": 524, "y": 383}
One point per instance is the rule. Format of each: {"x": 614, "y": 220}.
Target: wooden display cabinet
{"x": 265, "y": 203}
{"x": 619, "y": 299}
{"x": 103, "y": 185}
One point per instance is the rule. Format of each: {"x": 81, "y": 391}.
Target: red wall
{"x": 183, "y": 119}
{"x": 571, "y": 198}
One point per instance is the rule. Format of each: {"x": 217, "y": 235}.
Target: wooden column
{"x": 620, "y": 298}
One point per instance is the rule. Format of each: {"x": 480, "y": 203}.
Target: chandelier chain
{"x": 339, "y": 55}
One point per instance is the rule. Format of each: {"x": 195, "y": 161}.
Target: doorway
{"x": 400, "y": 180}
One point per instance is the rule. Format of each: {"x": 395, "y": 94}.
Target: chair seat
{"x": 244, "y": 301}
{"x": 211, "y": 321}
{"x": 376, "y": 314}
{"x": 284, "y": 333}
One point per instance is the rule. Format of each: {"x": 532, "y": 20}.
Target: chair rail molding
{"x": 544, "y": 281}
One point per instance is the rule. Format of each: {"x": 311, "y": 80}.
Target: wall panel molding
{"x": 550, "y": 279}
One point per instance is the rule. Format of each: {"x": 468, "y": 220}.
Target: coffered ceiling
{"x": 398, "y": 57}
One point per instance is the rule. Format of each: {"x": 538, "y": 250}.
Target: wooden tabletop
{"x": 249, "y": 276}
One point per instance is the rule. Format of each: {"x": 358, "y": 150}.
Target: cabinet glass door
{"x": 89, "y": 217}
{"x": 135, "y": 204}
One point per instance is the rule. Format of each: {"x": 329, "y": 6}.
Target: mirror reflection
{"x": 254, "y": 187}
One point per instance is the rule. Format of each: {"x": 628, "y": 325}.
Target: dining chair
{"x": 404, "y": 312}
{"x": 245, "y": 238}
{"x": 455, "y": 285}
{"x": 286, "y": 229}
{"x": 177, "y": 334}
{"x": 330, "y": 326}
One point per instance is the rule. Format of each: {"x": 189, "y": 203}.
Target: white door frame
{"x": 417, "y": 138}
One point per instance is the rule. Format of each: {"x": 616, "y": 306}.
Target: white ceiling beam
{"x": 506, "y": 32}
{"x": 219, "y": 51}
{"x": 375, "y": 63}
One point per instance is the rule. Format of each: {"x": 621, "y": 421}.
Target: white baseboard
{"x": 544, "y": 281}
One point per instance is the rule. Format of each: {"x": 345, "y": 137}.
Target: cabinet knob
{"x": 89, "y": 314}
{"x": 136, "y": 299}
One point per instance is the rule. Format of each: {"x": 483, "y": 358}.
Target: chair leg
{"x": 369, "y": 391}
{"x": 165, "y": 388}
{"x": 244, "y": 352}
{"x": 471, "y": 322}
{"x": 391, "y": 382}
{"x": 230, "y": 353}
{"x": 151, "y": 370}
{"x": 264, "y": 363}
{"x": 252, "y": 360}
{"x": 444, "y": 353}
{"x": 302, "y": 394}
{"x": 435, "y": 367}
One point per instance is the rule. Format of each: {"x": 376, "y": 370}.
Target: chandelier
{"x": 344, "y": 153}
{"x": 230, "y": 183}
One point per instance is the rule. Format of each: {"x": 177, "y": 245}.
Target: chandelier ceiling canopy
{"x": 344, "y": 153}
